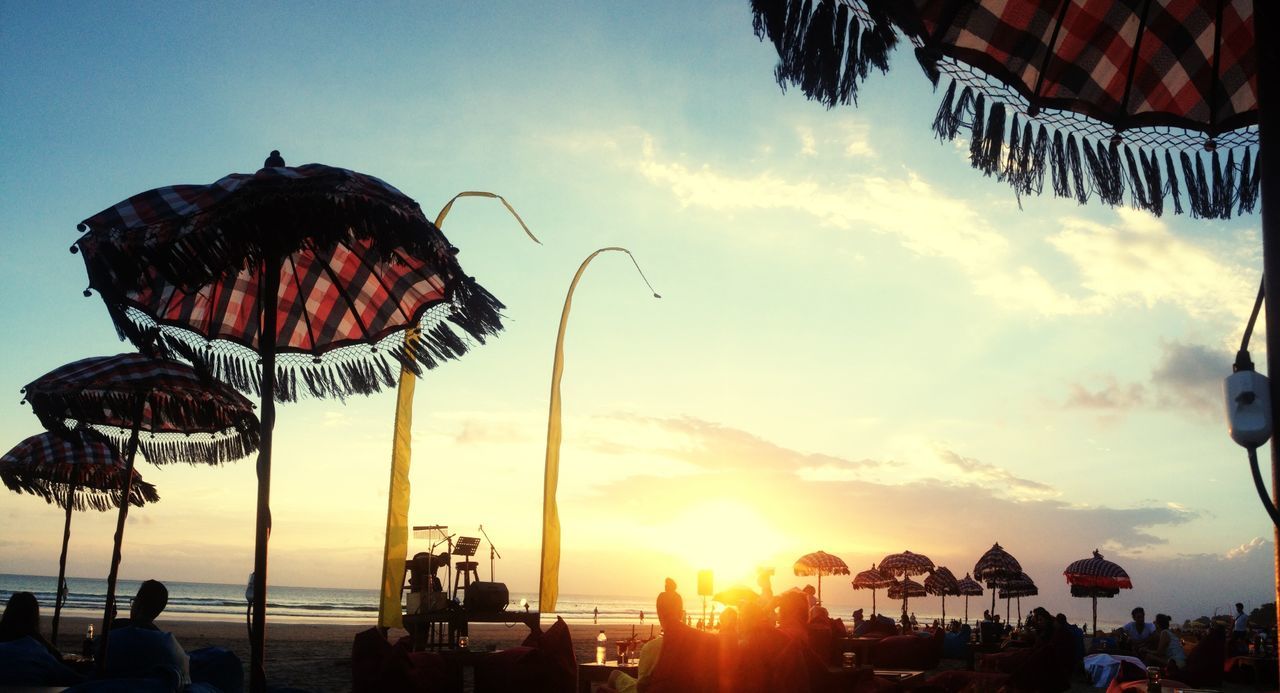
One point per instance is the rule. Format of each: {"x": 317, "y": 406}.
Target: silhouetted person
{"x": 683, "y": 659}
{"x": 274, "y": 161}
{"x": 151, "y": 599}
{"x": 22, "y": 620}
{"x": 26, "y": 658}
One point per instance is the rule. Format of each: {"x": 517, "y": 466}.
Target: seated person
{"x": 151, "y": 599}
{"x": 1138, "y": 633}
{"x": 26, "y": 658}
{"x": 683, "y": 659}
{"x": 1167, "y": 651}
{"x": 137, "y": 648}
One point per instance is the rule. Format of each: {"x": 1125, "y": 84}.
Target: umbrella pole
{"x": 1095, "y": 615}
{"x": 1266, "y": 22}
{"x": 873, "y": 602}
{"x": 269, "y": 287}
{"x": 108, "y": 608}
{"x": 62, "y": 566}
{"x": 944, "y": 611}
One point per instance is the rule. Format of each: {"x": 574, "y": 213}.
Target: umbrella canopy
{"x": 820, "y": 563}
{"x": 347, "y": 262}
{"x": 75, "y": 470}
{"x": 1022, "y": 586}
{"x": 188, "y": 417}
{"x": 942, "y": 582}
{"x": 311, "y": 279}
{"x": 905, "y": 589}
{"x": 873, "y": 580}
{"x": 735, "y": 595}
{"x": 995, "y": 568}
{"x": 905, "y": 564}
{"x": 1144, "y": 101}
{"x": 969, "y": 587}
{"x": 1096, "y": 577}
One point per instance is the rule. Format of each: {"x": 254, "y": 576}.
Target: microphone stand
{"x": 492, "y": 552}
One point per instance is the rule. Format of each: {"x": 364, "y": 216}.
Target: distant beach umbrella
{"x": 969, "y": 588}
{"x": 905, "y": 589}
{"x": 1096, "y": 577}
{"x": 905, "y": 564}
{"x": 75, "y": 470}
{"x": 186, "y": 416}
{"x": 736, "y": 596}
{"x": 1017, "y": 588}
{"x": 820, "y": 563}
{"x": 289, "y": 281}
{"x": 996, "y": 567}
{"x": 941, "y": 582}
{"x": 872, "y": 580}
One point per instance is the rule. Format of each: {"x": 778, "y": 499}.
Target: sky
{"x": 862, "y": 345}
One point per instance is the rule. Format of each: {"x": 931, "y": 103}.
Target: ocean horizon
{"x": 213, "y": 601}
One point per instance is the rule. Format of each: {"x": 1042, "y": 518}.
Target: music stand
{"x": 466, "y": 546}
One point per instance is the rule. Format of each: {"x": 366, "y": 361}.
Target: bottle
{"x": 87, "y": 648}
{"x": 1153, "y": 679}
{"x": 601, "y": 640}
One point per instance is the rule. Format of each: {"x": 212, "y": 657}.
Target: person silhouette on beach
{"x": 683, "y": 659}
{"x": 595, "y": 615}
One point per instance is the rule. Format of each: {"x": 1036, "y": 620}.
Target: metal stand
{"x": 493, "y": 552}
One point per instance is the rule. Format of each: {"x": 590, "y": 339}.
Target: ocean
{"x": 226, "y": 602}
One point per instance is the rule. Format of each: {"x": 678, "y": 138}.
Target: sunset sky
{"x": 863, "y": 346}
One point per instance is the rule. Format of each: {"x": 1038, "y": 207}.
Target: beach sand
{"x": 317, "y": 656}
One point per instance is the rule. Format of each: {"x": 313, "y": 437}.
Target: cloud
{"x": 992, "y": 474}
{"x": 1187, "y": 378}
{"x": 1246, "y": 548}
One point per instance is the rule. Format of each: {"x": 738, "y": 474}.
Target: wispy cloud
{"x": 1187, "y": 378}
{"x": 985, "y": 473}
{"x": 1238, "y": 552}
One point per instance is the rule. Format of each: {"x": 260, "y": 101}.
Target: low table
{"x": 421, "y": 625}
{"x": 591, "y": 673}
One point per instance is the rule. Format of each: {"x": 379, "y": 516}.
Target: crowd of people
{"x": 134, "y": 649}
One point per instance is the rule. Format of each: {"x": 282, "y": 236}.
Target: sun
{"x": 724, "y": 535}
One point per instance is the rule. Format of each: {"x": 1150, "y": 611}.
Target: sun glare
{"x": 725, "y": 536}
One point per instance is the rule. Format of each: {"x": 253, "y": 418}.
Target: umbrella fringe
{"x": 1173, "y": 182}
{"x": 97, "y": 486}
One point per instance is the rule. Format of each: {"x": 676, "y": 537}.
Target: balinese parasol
{"x": 736, "y": 595}
{"x": 995, "y": 568}
{"x": 187, "y": 417}
{"x": 905, "y": 589}
{"x": 942, "y": 582}
{"x": 1096, "y": 577}
{"x": 1017, "y": 588}
{"x": 872, "y": 580}
{"x": 969, "y": 588}
{"x": 75, "y": 470}
{"x": 312, "y": 280}
{"x": 1154, "y": 101}
{"x": 820, "y": 563}
{"x": 905, "y": 564}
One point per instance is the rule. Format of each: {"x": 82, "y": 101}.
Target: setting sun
{"x": 723, "y": 535}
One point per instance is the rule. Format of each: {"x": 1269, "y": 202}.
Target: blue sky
{"x": 863, "y": 346}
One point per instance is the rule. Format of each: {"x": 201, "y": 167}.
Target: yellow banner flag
{"x": 396, "y": 547}
{"x": 549, "y": 580}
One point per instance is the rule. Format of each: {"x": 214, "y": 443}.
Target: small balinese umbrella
{"x": 1096, "y": 577}
{"x": 905, "y": 589}
{"x": 188, "y": 417}
{"x": 1017, "y": 588}
{"x": 736, "y": 595}
{"x": 995, "y": 568}
{"x": 942, "y": 582}
{"x": 820, "y": 563}
{"x": 75, "y": 470}
{"x": 291, "y": 280}
{"x": 872, "y": 580}
{"x": 969, "y": 588}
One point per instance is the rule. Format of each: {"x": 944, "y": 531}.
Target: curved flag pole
{"x": 396, "y": 547}
{"x": 549, "y": 576}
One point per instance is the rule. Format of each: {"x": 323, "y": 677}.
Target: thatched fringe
{"x": 1082, "y": 167}
{"x": 346, "y": 371}
{"x": 823, "y": 47}
{"x": 97, "y": 486}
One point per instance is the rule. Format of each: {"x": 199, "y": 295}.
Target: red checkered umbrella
{"x": 1096, "y": 577}
{"x": 308, "y": 280}
{"x": 1017, "y": 588}
{"x": 995, "y": 568}
{"x": 820, "y": 563}
{"x": 186, "y": 417}
{"x": 969, "y": 588}
{"x": 75, "y": 470}
{"x": 872, "y": 580}
{"x": 942, "y": 582}
{"x": 1153, "y": 102}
